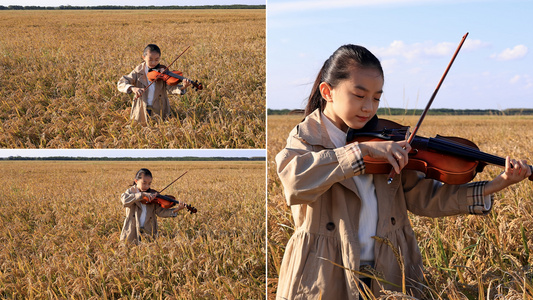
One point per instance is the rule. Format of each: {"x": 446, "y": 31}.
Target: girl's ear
{"x": 325, "y": 91}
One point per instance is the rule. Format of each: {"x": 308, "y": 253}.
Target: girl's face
{"x": 151, "y": 59}
{"x": 354, "y": 101}
{"x": 144, "y": 183}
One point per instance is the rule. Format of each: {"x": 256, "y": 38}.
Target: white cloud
{"x": 426, "y": 49}
{"x": 396, "y": 48}
{"x": 519, "y": 51}
{"x": 515, "y": 79}
{"x": 525, "y": 81}
{"x": 475, "y": 44}
{"x": 415, "y": 51}
{"x": 389, "y": 65}
{"x": 440, "y": 49}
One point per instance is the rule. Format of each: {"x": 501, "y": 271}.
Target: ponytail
{"x": 315, "y": 99}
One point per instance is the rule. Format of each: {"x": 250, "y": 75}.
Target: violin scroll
{"x": 191, "y": 209}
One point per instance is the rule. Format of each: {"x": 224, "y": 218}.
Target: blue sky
{"x": 414, "y": 39}
{"x": 133, "y": 152}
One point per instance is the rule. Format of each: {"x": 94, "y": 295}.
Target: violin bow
{"x": 189, "y": 207}
{"x": 173, "y": 182}
{"x": 144, "y": 90}
{"x": 417, "y": 126}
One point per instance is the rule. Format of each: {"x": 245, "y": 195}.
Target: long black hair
{"x": 151, "y": 48}
{"x": 142, "y": 172}
{"x": 336, "y": 68}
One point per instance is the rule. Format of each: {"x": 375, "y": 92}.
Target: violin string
{"x": 465, "y": 151}
{"x": 445, "y": 145}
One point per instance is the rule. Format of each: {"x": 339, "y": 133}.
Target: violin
{"x": 197, "y": 85}
{"x": 451, "y": 160}
{"x": 166, "y": 201}
{"x": 170, "y": 77}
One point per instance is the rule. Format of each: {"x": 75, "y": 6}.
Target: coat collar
{"x": 313, "y": 131}
{"x": 135, "y": 190}
{"x": 142, "y": 74}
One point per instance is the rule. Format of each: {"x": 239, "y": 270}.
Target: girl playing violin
{"x": 154, "y": 101}
{"x": 338, "y": 209}
{"x": 141, "y": 218}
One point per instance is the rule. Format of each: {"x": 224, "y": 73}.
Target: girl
{"x": 337, "y": 208}
{"x": 154, "y": 101}
{"x": 141, "y": 218}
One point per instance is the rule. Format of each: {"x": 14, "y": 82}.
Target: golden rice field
{"x": 61, "y": 223}
{"x": 466, "y": 257}
{"x": 59, "y": 72}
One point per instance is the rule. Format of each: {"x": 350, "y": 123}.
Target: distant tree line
{"x": 99, "y": 7}
{"x": 383, "y": 111}
{"x": 185, "y": 158}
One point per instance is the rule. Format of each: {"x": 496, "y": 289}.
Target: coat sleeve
{"x": 176, "y": 89}
{"x": 306, "y": 174}
{"x": 165, "y": 212}
{"x": 127, "y": 81}
{"x": 431, "y": 198}
{"x": 129, "y": 197}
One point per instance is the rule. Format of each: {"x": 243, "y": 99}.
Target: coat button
{"x": 393, "y": 221}
{"x": 330, "y": 226}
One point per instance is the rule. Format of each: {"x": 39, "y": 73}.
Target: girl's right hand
{"x": 396, "y": 153}
{"x": 150, "y": 196}
{"x": 137, "y": 91}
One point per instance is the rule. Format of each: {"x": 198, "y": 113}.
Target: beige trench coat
{"x": 325, "y": 205}
{"x": 160, "y": 105}
{"x": 131, "y": 230}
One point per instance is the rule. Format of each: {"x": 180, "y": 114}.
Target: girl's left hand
{"x": 186, "y": 83}
{"x": 515, "y": 171}
{"x": 179, "y": 207}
